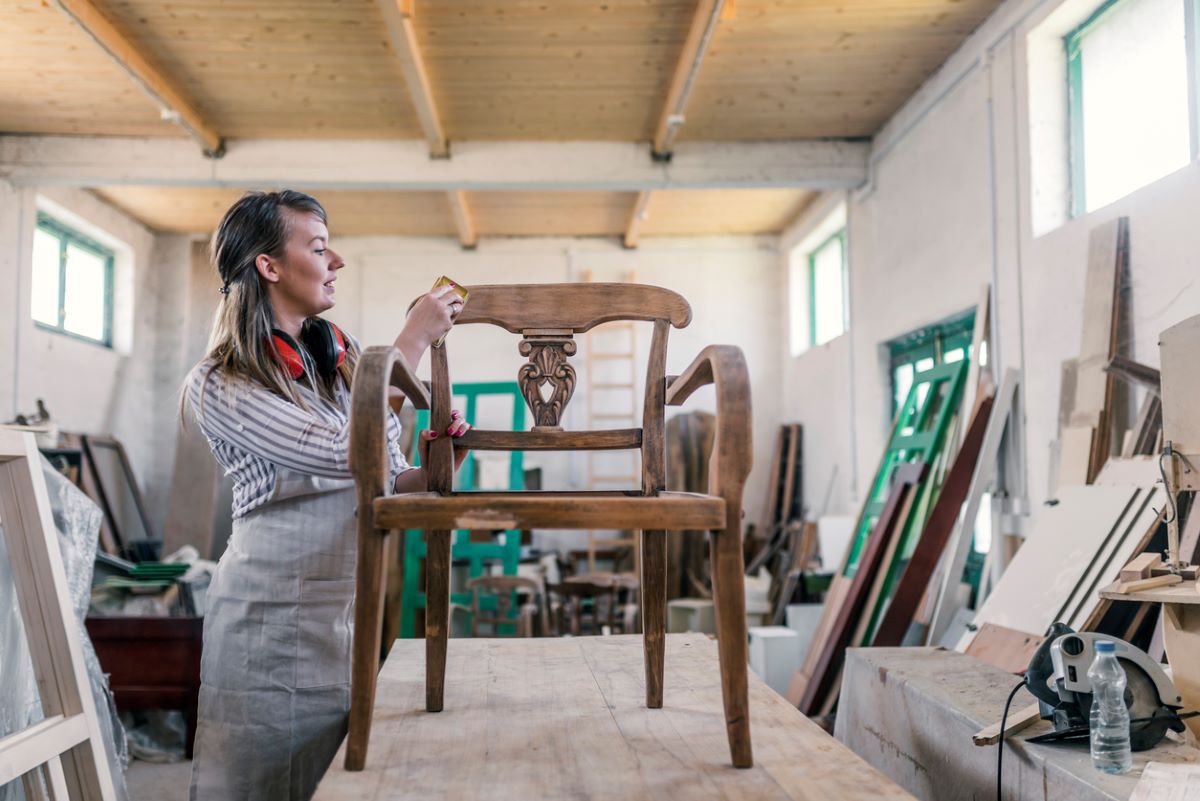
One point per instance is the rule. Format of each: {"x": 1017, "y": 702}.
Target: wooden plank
{"x": 1005, "y": 648}
{"x": 1075, "y": 448}
{"x": 820, "y": 685}
{"x": 687, "y": 69}
{"x": 1187, "y": 592}
{"x": 1017, "y": 721}
{"x": 938, "y": 528}
{"x": 464, "y": 220}
{"x": 397, "y": 17}
{"x": 175, "y": 105}
{"x": 1108, "y": 260}
{"x": 1152, "y": 583}
{"x": 1132, "y": 471}
{"x": 1000, "y": 422}
{"x": 28, "y": 748}
{"x": 637, "y": 216}
{"x": 574, "y": 307}
{"x": 1140, "y": 566}
{"x": 616, "y": 439}
{"x": 1179, "y": 347}
{"x": 674, "y": 511}
{"x": 566, "y": 718}
{"x": 1057, "y": 552}
{"x": 46, "y": 612}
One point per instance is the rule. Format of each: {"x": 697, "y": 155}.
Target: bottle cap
{"x": 1106, "y": 647}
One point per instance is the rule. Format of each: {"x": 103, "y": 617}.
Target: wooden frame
{"x": 68, "y": 742}
{"x": 548, "y": 316}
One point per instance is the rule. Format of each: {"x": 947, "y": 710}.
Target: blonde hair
{"x": 241, "y": 345}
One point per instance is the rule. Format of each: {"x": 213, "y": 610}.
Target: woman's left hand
{"x": 458, "y": 426}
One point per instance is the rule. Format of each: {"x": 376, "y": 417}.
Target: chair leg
{"x": 729, "y": 602}
{"x": 368, "y": 616}
{"x": 654, "y": 613}
{"x": 437, "y": 616}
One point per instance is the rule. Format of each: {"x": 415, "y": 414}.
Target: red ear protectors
{"x": 323, "y": 345}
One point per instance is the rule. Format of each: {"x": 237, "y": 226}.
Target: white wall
{"x": 87, "y": 387}
{"x": 947, "y": 208}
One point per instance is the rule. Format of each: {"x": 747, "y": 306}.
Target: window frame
{"x": 930, "y": 341}
{"x": 67, "y": 236}
{"x": 1076, "y": 145}
{"x": 839, "y": 236}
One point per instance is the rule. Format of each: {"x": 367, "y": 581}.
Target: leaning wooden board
{"x": 565, "y": 718}
{"x": 1057, "y": 555}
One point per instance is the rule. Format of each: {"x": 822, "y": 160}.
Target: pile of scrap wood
{"x": 910, "y": 522}
{"x": 787, "y": 546}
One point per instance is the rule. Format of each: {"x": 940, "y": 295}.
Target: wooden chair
{"x": 503, "y": 588}
{"x": 548, "y": 317}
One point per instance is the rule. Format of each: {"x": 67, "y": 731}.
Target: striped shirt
{"x": 253, "y": 432}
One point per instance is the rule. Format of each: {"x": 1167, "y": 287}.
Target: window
{"x": 72, "y": 282}
{"x": 918, "y": 351}
{"x": 827, "y": 289}
{"x": 818, "y": 297}
{"x": 1127, "y": 73}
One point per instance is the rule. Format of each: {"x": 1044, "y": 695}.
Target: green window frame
{"x": 1072, "y": 43}
{"x": 839, "y": 238}
{"x": 930, "y": 344}
{"x": 68, "y": 236}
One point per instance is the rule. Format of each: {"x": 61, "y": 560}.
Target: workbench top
{"x": 566, "y": 718}
{"x": 912, "y": 712}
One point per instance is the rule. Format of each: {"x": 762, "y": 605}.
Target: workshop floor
{"x": 152, "y": 781}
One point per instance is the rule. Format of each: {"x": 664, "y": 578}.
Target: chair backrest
{"x": 548, "y": 317}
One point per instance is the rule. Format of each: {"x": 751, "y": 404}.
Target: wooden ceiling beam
{"x": 464, "y": 220}
{"x": 637, "y": 216}
{"x": 175, "y": 106}
{"x": 398, "y": 17}
{"x": 405, "y": 164}
{"x": 704, "y": 23}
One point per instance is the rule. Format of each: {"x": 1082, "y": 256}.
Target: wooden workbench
{"x": 565, "y": 718}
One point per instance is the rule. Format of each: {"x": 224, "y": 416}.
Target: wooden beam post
{"x": 398, "y": 16}
{"x": 704, "y": 22}
{"x": 175, "y": 106}
{"x": 464, "y": 221}
{"x": 637, "y": 216}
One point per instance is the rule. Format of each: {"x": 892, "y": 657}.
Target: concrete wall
{"x": 123, "y": 390}
{"x": 947, "y": 208}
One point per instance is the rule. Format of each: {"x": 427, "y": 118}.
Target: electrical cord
{"x": 1000, "y": 753}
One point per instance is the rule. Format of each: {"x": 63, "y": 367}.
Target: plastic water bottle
{"x": 1110, "y": 716}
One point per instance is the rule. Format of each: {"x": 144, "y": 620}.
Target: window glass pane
{"x": 1134, "y": 99}
{"x": 925, "y": 364}
{"x": 828, "y": 303}
{"x": 45, "y": 277}
{"x": 84, "y": 304}
{"x": 902, "y": 380}
{"x": 952, "y": 356}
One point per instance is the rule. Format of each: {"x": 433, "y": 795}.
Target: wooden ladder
{"x": 620, "y": 377}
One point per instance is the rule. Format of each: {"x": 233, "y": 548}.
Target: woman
{"x": 273, "y": 399}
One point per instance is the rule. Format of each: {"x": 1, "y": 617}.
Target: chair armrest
{"x": 723, "y": 366}
{"x": 378, "y": 368}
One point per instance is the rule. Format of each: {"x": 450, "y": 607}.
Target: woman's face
{"x": 308, "y": 268}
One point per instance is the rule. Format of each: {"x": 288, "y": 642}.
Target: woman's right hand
{"x": 432, "y": 316}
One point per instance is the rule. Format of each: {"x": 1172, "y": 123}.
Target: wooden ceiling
{"x": 357, "y": 213}
{"x": 499, "y": 69}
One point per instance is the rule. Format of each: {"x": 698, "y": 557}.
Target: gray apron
{"x": 275, "y": 671}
